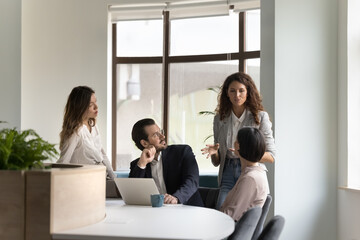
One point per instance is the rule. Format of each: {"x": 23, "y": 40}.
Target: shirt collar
{"x": 241, "y": 118}
{"x": 156, "y": 160}
{"x": 258, "y": 167}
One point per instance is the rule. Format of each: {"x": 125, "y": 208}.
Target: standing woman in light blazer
{"x": 80, "y": 138}
{"x": 239, "y": 105}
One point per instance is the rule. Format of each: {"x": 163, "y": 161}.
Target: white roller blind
{"x": 241, "y": 6}
{"x": 136, "y": 12}
{"x": 142, "y": 10}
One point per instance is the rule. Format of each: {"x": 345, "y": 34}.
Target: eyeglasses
{"x": 159, "y": 134}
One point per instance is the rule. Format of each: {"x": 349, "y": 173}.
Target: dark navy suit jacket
{"x": 181, "y": 174}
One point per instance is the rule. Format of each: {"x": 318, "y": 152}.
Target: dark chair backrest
{"x": 264, "y": 213}
{"x": 246, "y": 225}
{"x": 208, "y": 180}
{"x": 273, "y": 229}
{"x": 209, "y": 196}
{"x": 111, "y": 189}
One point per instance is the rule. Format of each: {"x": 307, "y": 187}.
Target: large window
{"x": 139, "y": 38}
{"x": 171, "y": 70}
{"x": 139, "y": 94}
{"x": 353, "y": 94}
{"x": 207, "y": 35}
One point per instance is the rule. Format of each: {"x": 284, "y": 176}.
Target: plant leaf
{"x": 208, "y": 138}
{"x": 206, "y": 113}
{"x": 214, "y": 89}
{"x": 23, "y": 150}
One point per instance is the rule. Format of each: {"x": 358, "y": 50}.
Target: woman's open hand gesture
{"x": 210, "y": 149}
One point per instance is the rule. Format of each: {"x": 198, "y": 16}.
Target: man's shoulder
{"x": 134, "y": 161}
{"x": 178, "y": 147}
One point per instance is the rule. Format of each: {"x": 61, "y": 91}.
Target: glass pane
{"x": 139, "y": 95}
{"x": 252, "y": 30}
{"x": 139, "y": 38}
{"x": 189, "y": 95}
{"x": 208, "y": 35}
{"x": 252, "y": 67}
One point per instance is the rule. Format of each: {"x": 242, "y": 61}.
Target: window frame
{"x": 166, "y": 60}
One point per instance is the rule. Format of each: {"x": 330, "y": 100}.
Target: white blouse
{"x": 85, "y": 147}
{"x": 236, "y": 124}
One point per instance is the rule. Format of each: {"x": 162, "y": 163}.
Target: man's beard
{"x": 161, "y": 147}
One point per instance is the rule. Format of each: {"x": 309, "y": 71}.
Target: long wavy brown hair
{"x": 77, "y": 104}
{"x": 253, "y": 100}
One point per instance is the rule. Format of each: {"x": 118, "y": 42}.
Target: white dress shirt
{"x": 157, "y": 174}
{"x": 84, "y": 147}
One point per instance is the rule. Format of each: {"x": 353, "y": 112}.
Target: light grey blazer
{"x": 221, "y": 129}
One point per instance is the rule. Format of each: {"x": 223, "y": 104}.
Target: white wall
{"x": 267, "y": 77}
{"x": 64, "y": 44}
{"x": 306, "y": 118}
{"x": 10, "y": 62}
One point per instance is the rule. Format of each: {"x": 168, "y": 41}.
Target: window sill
{"x": 351, "y": 189}
{"x": 208, "y": 173}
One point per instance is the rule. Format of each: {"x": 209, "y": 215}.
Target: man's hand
{"x": 146, "y": 156}
{"x": 169, "y": 199}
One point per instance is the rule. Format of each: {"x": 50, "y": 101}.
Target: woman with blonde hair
{"x": 239, "y": 105}
{"x": 80, "y": 138}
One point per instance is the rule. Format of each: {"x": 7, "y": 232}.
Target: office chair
{"x": 264, "y": 213}
{"x": 111, "y": 190}
{"x": 273, "y": 229}
{"x": 245, "y": 227}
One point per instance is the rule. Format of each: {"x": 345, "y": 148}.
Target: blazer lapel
{"x": 249, "y": 120}
{"x": 226, "y": 124}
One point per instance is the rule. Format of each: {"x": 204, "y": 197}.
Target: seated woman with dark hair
{"x": 252, "y": 186}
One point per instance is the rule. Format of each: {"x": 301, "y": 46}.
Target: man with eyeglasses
{"x": 173, "y": 168}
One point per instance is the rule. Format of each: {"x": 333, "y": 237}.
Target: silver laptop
{"x": 136, "y": 191}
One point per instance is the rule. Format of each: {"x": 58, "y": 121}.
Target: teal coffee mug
{"x": 157, "y": 200}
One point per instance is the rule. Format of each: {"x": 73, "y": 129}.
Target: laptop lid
{"x": 136, "y": 191}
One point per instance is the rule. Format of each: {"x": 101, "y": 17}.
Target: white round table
{"x": 145, "y": 222}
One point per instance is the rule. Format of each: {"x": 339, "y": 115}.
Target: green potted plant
{"x": 37, "y": 199}
{"x": 23, "y": 150}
